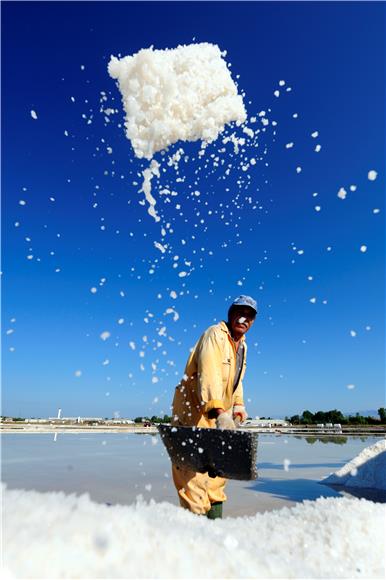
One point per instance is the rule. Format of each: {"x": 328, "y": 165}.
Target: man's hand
{"x": 224, "y": 421}
{"x": 239, "y": 411}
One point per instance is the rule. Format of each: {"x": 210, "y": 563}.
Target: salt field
{"x": 68, "y": 535}
{"x": 117, "y": 468}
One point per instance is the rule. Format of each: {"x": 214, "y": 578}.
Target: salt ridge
{"x": 366, "y": 470}
{"x": 63, "y": 536}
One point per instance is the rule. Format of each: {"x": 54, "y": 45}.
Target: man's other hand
{"x": 224, "y": 421}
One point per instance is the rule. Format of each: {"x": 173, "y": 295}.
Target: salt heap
{"x": 186, "y": 93}
{"x": 366, "y": 470}
{"x": 73, "y": 537}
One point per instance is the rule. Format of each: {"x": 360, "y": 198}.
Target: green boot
{"x": 215, "y": 511}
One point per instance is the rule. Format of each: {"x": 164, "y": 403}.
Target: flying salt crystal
{"x": 186, "y": 93}
{"x": 78, "y": 373}
{"x": 372, "y": 175}
{"x": 241, "y": 319}
{"x": 289, "y": 145}
{"x": 350, "y": 387}
{"x": 121, "y": 320}
{"x": 132, "y": 345}
{"x": 33, "y": 114}
{"x": 105, "y": 335}
{"x": 154, "y": 379}
{"x": 160, "y": 247}
{"x": 363, "y": 249}
{"x": 93, "y": 290}
{"x": 106, "y": 362}
{"x": 315, "y": 134}
{"x": 313, "y": 300}
{"x": 281, "y": 83}
{"x": 286, "y": 464}
{"x": 172, "y": 311}
{"x": 248, "y": 132}
{"x": 162, "y": 331}
{"x": 182, "y": 274}
{"x": 173, "y": 294}
{"x": 317, "y": 208}
{"x": 276, "y": 93}
{"x": 353, "y": 333}
{"x": 22, "y": 202}
{"x": 252, "y": 161}
{"x": 148, "y": 174}
{"x": 318, "y": 148}
{"x": 148, "y": 487}
{"x": 375, "y": 210}
{"x": 298, "y": 169}
{"x": 342, "y": 193}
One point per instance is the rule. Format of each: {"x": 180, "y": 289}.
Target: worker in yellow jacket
{"x": 211, "y": 395}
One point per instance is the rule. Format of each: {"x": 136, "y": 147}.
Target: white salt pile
{"x": 63, "y": 536}
{"x": 186, "y": 93}
{"x": 366, "y": 470}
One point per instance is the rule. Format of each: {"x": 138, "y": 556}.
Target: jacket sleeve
{"x": 209, "y": 371}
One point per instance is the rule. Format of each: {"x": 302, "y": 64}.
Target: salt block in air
{"x": 186, "y": 93}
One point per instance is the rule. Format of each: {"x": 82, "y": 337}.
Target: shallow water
{"x": 116, "y": 468}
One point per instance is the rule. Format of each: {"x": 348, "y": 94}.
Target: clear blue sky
{"x": 302, "y": 354}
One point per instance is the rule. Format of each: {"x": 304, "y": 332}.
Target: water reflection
{"x": 337, "y": 440}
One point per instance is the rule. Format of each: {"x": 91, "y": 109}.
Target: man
{"x": 211, "y": 395}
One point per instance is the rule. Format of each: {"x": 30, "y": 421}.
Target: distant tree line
{"x": 335, "y": 416}
{"x": 153, "y": 419}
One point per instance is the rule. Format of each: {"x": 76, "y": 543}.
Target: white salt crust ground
{"x": 186, "y": 93}
{"x": 366, "y": 470}
{"x": 57, "y": 536}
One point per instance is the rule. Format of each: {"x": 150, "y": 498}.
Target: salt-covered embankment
{"x": 63, "y": 536}
{"x": 366, "y": 470}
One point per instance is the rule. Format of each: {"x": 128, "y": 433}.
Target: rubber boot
{"x": 215, "y": 511}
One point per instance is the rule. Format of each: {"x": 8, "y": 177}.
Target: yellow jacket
{"x": 208, "y": 379}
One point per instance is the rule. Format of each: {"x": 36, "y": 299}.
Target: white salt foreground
{"x": 366, "y": 470}
{"x": 52, "y": 535}
{"x": 186, "y": 93}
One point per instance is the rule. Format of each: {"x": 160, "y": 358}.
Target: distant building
{"x": 72, "y": 420}
{"x": 266, "y": 423}
{"x": 120, "y": 421}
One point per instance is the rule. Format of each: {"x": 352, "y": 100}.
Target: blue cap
{"x": 245, "y": 301}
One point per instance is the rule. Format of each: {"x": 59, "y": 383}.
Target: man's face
{"x": 241, "y": 319}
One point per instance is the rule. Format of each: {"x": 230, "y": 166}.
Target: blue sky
{"x": 302, "y": 354}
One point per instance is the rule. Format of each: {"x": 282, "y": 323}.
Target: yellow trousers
{"x": 197, "y": 491}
